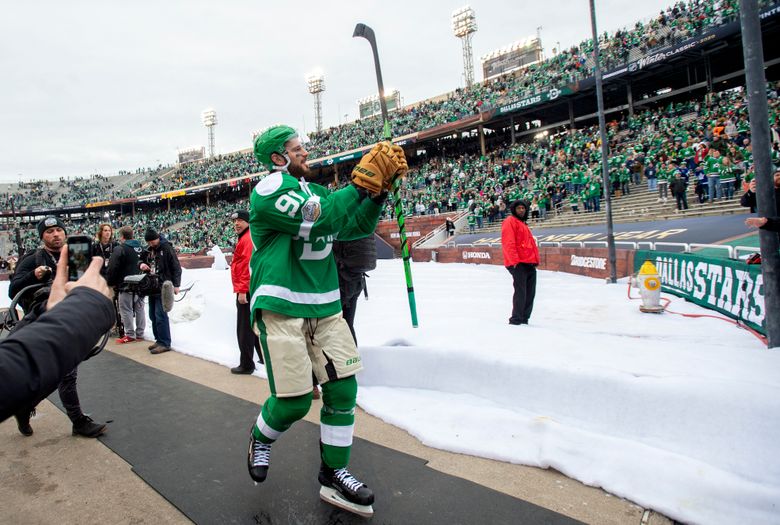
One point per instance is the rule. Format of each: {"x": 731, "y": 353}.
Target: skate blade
{"x": 332, "y": 496}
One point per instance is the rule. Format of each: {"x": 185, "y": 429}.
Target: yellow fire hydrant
{"x": 650, "y": 288}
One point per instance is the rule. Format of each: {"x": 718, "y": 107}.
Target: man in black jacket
{"x": 125, "y": 261}
{"x": 748, "y": 199}
{"x": 33, "y": 360}
{"x": 353, "y": 260}
{"x": 679, "y": 189}
{"x": 160, "y": 259}
{"x": 40, "y": 267}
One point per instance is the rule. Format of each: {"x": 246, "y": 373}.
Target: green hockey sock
{"x": 337, "y": 421}
{"x": 278, "y": 414}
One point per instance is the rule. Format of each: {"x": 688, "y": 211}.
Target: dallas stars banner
{"x": 733, "y": 288}
{"x": 533, "y": 100}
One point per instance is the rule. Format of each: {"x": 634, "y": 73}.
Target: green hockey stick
{"x": 363, "y": 31}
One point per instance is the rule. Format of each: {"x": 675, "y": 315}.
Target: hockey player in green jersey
{"x": 295, "y": 300}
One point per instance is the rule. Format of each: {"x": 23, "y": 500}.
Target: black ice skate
{"x": 340, "y": 488}
{"x": 258, "y": 459}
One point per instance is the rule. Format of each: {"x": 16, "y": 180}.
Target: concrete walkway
{"x": 55, "y": 477}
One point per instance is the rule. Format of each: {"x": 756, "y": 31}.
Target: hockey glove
{"x": 380, "y": 164}
{"x": 399, "y": 156}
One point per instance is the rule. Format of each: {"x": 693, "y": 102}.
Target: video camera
{"x": 142, "y": 285}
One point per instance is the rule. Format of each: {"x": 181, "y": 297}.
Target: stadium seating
{"x": 554, "y": 173}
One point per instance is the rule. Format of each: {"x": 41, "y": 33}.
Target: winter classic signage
{"x": 733, "y": 288}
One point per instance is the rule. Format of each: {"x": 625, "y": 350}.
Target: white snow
{"x": 220, "y": 261}
{"x": 677, "y": 414}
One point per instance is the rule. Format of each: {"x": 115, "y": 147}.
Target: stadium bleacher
{"x": 557, "y": 170}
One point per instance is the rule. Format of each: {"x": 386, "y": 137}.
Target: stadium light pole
{"x": 604, "y": 147}
{"x": 209, "y": 117}
{"x": 755, "y": 83}
{"x": 464, "y": 25}
{"x": 316, "y": 83}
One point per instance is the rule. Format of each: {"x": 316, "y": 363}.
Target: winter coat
{"x": 355, "y": 257}
{"x": 105, "y": 251}
{"x": 124, "y": 261}
{"x": 164, "y": 262}
{"x": 772, "y": 224}
{"x": 749, "y": 200}
{"x": 33, "y": 360}
{"x": 24, "y": 275}
{"x": 239, "y": 266}
{"x": 517, "y": 242}
{"x": 677, "y": 186}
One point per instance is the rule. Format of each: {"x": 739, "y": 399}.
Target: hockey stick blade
{"x": 363, "y": 31}
{"x": 332, "y": 496}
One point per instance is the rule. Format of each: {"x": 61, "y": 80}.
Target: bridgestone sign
{"x": 599, "y": 263}
{"x": 733, "y": 288}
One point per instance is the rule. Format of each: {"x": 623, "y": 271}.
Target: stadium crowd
{"x": 674, "y": 24}
{"x": 210, "y": 170}
{"x": 679, "y": 22}
{"x": 704, "y": 143}
{"x": 654, "y": 147}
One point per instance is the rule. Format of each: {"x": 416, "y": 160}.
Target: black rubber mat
{"x": 189, "y": 443}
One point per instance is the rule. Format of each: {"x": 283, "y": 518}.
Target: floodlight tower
{"x": 209, "y": 117}
{"x": 464, "y": 25}
{"x": 316, "y": 82}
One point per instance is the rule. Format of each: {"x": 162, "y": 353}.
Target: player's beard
{"x": 299, "y": 170}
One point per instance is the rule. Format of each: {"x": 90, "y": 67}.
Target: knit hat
{"x": 49, "y": 222}
{"x": 151, "y": 235}
{"x": 240, "y": 214}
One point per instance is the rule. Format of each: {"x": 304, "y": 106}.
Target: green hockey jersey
{"x": 293, "y": 224}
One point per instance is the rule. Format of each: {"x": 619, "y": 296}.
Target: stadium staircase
{"x": 125, "y": 186}
{"x": 147, "y": 178}
{"x": 179, "y": 225}
{"x": 639, "y": 206}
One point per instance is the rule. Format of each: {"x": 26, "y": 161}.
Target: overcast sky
{"x": 96, "y": 87}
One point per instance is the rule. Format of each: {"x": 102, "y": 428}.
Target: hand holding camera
{"x": 79, "y": 256}
{"x": 90, "y": 278}
{"x": 43, "y": 273}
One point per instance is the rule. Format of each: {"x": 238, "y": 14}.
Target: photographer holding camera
{"x": 125, "y": 261}
{"x": 40, "y": 267}
{"x": 34, "y": 361}
{"x": 160, "y": 260}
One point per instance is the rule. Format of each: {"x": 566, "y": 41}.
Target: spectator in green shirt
{"x": 713, "y": 167}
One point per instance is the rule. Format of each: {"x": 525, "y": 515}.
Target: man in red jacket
{"x": 521, "y": 257}
{"x": 248, "y": 342}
